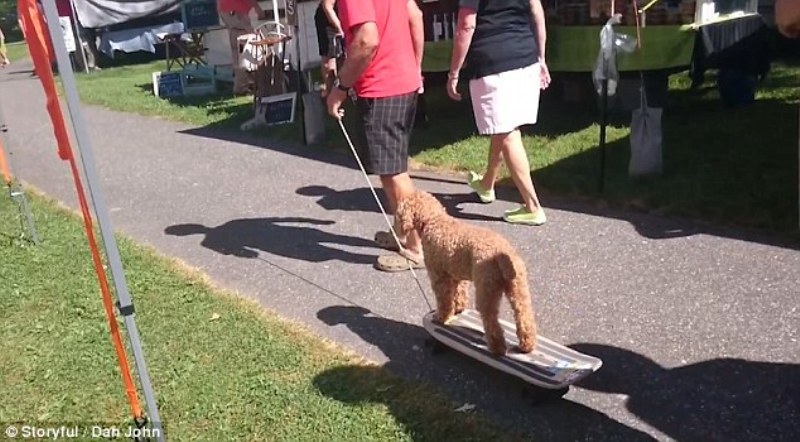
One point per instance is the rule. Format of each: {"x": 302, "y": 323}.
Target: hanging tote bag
{"x": 646, "y": 139}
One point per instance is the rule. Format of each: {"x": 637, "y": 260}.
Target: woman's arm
{"x": 787, "y": 17}
{"x": 333, "y": 19}
{"x": 464, "y": 31}
{"x": 537, "y": 12}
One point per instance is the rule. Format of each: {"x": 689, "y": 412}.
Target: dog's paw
{"x": 526, "y": 345}
{"x": 445, "y": 321}
{"x": 498, "y": 348}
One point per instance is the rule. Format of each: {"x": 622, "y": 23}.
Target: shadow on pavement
{"x": 245, "y": 238}
{"x": 255, "y": 139}
{"x": 362, "y": 200}
{"x": 463, "y": 379}
{"x": 714, "y": 400}
{"x": 648, "y": 225}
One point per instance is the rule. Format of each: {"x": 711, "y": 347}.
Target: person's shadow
{"x": 244, "y": 238}
{"x": 461, "y": 378}
{"x": 716, "y": 400}
{"x": 362, "y": 200}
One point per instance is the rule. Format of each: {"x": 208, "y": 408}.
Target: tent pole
{"x": 84, "y": 148}
{"x": 603, "y": 123}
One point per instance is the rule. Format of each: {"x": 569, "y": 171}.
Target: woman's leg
{"x": 493, "y": 163}
{"x": 513, "y": 152}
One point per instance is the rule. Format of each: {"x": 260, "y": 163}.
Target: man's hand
{"x": 336, "y": 98}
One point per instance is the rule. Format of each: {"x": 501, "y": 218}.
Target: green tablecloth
{"x": 575, "y": 48}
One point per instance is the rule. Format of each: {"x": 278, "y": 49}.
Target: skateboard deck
{"x": 550, "y": 365}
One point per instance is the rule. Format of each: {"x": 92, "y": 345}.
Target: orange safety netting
{"x": 41, "y": 51}
{"x": 4, "y": 167}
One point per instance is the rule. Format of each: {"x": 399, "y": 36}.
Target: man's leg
{"x": 236, "y": 27}
{"x": 397, "y": 187}
{"x": 387, "y": 128}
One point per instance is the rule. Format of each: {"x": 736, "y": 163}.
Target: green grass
{"x": 728, "y": 166}
{"x": 17, "y": 51}
{"x": 129, "y": 88}
{"x": 245, "y": 375}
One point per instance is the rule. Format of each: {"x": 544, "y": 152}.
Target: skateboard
{"x": 551, "y": 367}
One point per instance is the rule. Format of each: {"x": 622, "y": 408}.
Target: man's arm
{"x": 541, "y": 31}
{"x": 360, "y": 52}
{"x": 464, "y": 32}
{"x": 417, "y": 28}
{"x": 787, "y": 17}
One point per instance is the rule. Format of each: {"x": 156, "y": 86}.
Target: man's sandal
{"x": 397, "y": 263}
{"x": 385, "y": 240}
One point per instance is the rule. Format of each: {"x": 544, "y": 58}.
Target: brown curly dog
{"x": 457, "y": 253}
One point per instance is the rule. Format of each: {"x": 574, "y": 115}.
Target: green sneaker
{"x": 521, "y": 215}
{"x": 474, "y": 182}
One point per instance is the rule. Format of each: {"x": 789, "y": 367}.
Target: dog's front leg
{"x": 445, "y": 288}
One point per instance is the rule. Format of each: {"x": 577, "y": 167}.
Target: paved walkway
{"x": 698, "y": 327}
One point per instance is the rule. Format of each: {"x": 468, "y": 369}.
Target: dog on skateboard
{"x": 457, "y": 253}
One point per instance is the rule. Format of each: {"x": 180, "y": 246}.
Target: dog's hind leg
{"x": 444, "y": 287}
{"x": 487, "y": 298}
{"x": 519, "y": 297}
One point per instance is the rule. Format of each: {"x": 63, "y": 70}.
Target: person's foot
{"x": 385, "y": 240}
{"x": 521, "y": 215}
{"x": 474, "y": 182}
{"x": 401, "y": 261}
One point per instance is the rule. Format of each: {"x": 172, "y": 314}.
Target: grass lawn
{"x": 222, "y": 368}
{"x": 17, "y": 51}
{"x": 730, "y": 166}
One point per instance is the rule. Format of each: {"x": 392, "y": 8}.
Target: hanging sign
{"x": 291, "y": 12}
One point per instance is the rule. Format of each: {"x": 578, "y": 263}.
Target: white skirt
{"x": 503, "y": 102}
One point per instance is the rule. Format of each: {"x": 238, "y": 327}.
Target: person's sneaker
{"x": 474, "y": 182}
{"x": 521, "y": 215}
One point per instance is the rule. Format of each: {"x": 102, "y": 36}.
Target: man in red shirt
{"x": 235, "y": 14}
{"x": 385, "y": 41}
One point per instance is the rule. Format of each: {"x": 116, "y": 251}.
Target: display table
{"x": 740, "y": 43}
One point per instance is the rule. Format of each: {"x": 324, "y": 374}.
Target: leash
{"x": 385, "y": 216}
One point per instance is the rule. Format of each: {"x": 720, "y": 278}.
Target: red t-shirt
{"x": 239, "y": 6}
{"x": 64, "y": 8}
{"x": 394, "y": 70}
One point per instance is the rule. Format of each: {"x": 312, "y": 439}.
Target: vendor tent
{"x": 101, "y": 13}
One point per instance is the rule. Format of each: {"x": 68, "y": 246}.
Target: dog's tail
{"x": 507, "y": 268}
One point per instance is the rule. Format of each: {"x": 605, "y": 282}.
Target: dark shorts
{"x": 387, "y": 124}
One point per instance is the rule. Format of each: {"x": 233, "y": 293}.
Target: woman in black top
{"x": 503, "y": 45}
{"x": 329, "y": 28}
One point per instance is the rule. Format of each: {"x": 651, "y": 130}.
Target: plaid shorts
{"x": 387, "y": 124}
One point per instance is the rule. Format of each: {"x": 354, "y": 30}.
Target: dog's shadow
{"x": 461, "y": 378}
{"x": 362, "y": 200}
